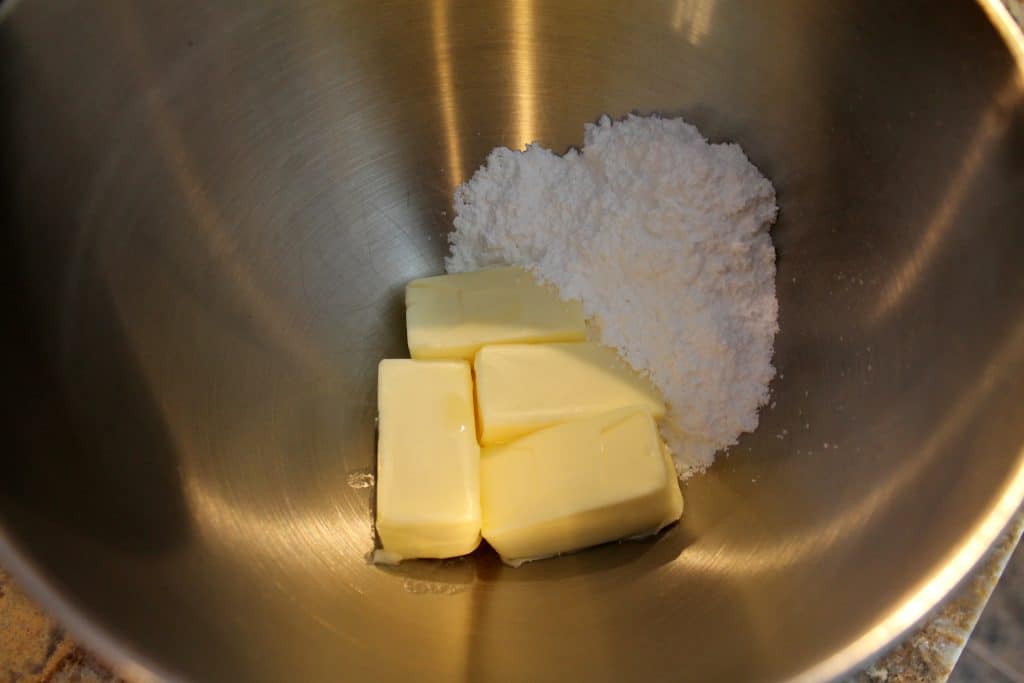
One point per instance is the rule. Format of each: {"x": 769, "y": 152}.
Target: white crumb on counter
{"x": 664, "y": 238}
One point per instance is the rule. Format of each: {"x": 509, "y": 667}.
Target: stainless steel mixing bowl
{"x": 210, "y": 210}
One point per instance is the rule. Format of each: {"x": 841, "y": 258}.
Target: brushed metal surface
{"x": 210, "y": 210}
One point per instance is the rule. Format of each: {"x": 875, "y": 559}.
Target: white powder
{"x": 664, "y": 238}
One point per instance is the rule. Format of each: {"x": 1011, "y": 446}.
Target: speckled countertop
{"x": 34, "y": 648}
{"x": 931, "y": 650}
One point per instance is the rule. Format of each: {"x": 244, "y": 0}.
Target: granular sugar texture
{"x": 664, "y": 238}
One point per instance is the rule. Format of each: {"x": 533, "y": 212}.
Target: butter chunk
{"x": 452, "y": 316}
{"x": 521, "y": 388}
{"x": 576, "y": 485}
{"x": 428, "y": 460}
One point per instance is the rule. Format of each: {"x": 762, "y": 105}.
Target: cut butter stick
{"x": 428, "y": 460}
{"x": 521, "y": 388}
{"x": 577, "y": 484}
{"x": 452, "y": 316}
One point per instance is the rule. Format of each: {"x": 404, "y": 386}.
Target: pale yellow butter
{"x": 452, "y": 316}
{"x": 577, "y": 484}
{"x": 428, "y": 474}
{"x": 521, "y": 388}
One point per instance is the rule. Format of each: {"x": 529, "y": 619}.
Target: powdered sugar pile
{"x": 664, "y": 238}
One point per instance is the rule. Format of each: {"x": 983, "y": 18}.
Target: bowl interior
{"x": 212, "y": 211}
